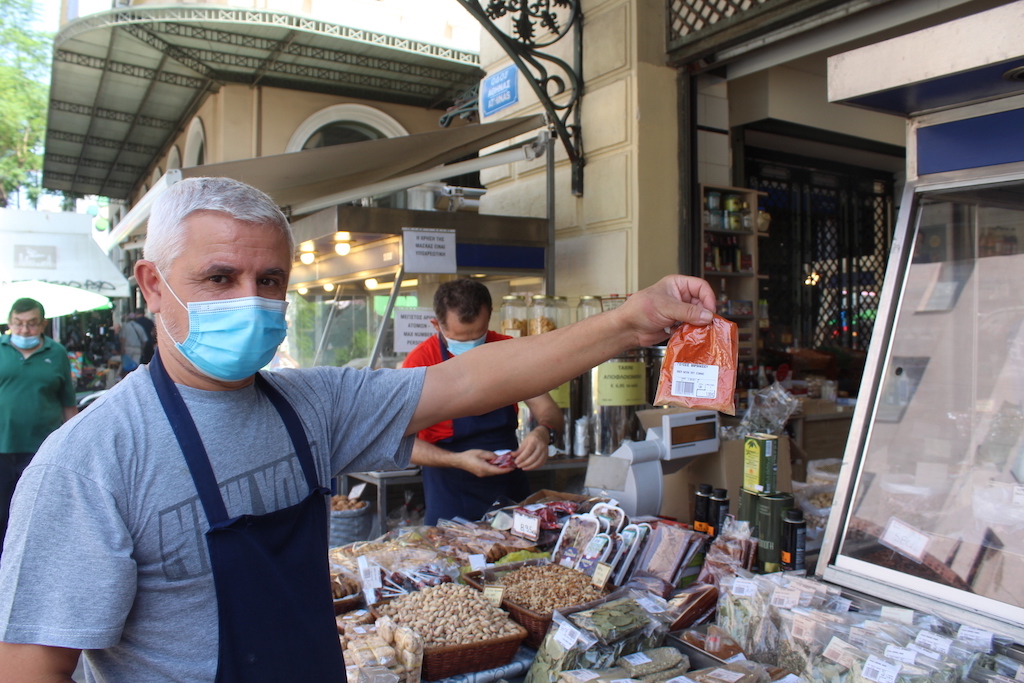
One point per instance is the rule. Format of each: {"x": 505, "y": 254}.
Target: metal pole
{"x": 327, "y": 326}
{"x": 549, "y": 252}
{"x": 375, "y": 356}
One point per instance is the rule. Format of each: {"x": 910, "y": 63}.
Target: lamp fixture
{"x": 308, "y": 245}
{"x": 329, "y": 287}
{"x": 307, "y": 257}
{"x": 303, "y": 291}
{"x": 343, "y": 236}
{"x": 371, "y": 283}
{"x": 342, "y": 248}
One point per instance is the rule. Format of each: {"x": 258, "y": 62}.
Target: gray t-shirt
{"x": 105, "y": 550}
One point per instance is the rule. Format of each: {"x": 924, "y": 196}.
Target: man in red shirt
{"x": 459, "y": 479}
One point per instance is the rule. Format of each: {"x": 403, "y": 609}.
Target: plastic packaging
{"x": 699, "y": 370}
{"x": 770, "y": 409}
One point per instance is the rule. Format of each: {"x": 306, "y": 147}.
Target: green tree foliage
{"x": 24, "y": 71}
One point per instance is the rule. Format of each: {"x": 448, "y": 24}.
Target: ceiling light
{"x": 343, "y": 236}
{"x": 329, "y": 287}
{"x": 307, "y": 257}
{"x": 308, "y": 245}
{"x": 371, "y": 283}
{"x": 303, "y": 291}
{"x": 342, "y": 248}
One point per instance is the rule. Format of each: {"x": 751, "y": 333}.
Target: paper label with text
{"x": 904, "y": 539}
{"x": 879, "y": 670}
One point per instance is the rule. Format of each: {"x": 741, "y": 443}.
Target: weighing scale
{"x": 632, "y": 475}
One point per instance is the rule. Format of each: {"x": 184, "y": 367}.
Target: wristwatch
{"x": 552, "y": 434}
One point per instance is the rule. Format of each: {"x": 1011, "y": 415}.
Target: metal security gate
{"x": 825, "y": 252}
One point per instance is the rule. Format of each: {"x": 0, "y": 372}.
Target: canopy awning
{"x": 56, "y": 248}
{"x": 307, "y": 181}
{"x": 126, "y": 81}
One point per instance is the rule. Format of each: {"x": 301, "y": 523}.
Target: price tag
{"x": 566, "y": 636}
{"x": 931, "y": 654}
{"x": 738, "y": 657}
{"x": 684, "y": 679}
{"x": 842, "y": 604}
{"x": 649, "y": 605}
{"x": 638, "y": 658}
{"x": 904, "y": 539}
{"x": 494, "y": 594}
{"x": 477, "y": 562}
{"x": 933, "y": 641}
{"x": 975, "y": 637}
{"x": 898, "y": 615}
{"x": 725, "y": 675}
{"x": 901, "y": 654}
{"x": 525, "y": 526}
{"x": 860, "y": 636}
{"x": 785, "y": 598}
{"x": 878, "y": 670}
{"x": 803, "y": 628}
{"x": 840, "y": 652}
{"x": 744, "y": 588}
{"x": 359, "y": 629}
{"x": 1018, "y": 496}
{"x": 581, "y": 675}
{"x": 369, "y": 573}
{"x": 602, "y": 573}
{"x": 356, "y": 491}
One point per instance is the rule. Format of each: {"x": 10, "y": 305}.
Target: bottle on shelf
{"x": 762, "y": 377}
{"x": 722, "y": 299}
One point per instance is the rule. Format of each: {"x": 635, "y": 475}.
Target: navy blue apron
{"x": 276, "y": 617}
{"x": 452, "y": 492}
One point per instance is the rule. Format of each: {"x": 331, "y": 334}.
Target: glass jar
{"x": 589, "y": 305}
{"x": 513, "y": 314}
{"x": 563, "y": 314}
{"x": 543, "y": 317}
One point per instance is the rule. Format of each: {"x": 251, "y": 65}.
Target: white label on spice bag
{"x": 931, "y": 654}
{"x": 581, "y": 675}
{"x": 840, "y": 652}
{"x": 786, "y": 598}
{"x": 1020, "y": 673}
{"x": 738, "y": 657}
{"x": 1018, "y": 496}
{"x": 683, "y": 679}
{"x": 725, "y": 675}
{"x": 975, "y": 637}
{"x": 694, "y": 380}
{"x": 744, "y": 588}
{"x": 637, "y": 658}
{"x": 901, "y": 654}
{"x": 878, "y": 670}
{"x": 566, "y": 636}
{"x": 790, "y": 678}
{"x": 842, "y": 604}
{"x": 933, "y": 641}
{"x": 649, "y": 605}
{"x": 803, "y": 628}
{"x": 898, "y": 615}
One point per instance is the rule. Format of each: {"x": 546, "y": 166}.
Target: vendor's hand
{"x": 654, "y": 312}
{"x": 478, "y": 462}
{"x": 533, "y": 451}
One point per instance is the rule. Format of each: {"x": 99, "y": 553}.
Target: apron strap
{"x": 191, "y": 443}
{"x": 295, "y": 430}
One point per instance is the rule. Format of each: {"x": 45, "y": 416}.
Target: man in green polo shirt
{"x": 37, "y": 394}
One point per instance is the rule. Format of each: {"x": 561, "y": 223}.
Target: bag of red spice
{"x": 699, "y": 370}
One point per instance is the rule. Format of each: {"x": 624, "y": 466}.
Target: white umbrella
{"x": 57, "y": 300}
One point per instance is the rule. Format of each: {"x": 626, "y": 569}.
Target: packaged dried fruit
{"x": 699, "y": 370}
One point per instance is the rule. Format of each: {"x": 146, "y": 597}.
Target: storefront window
{"x": 339, "y": 331}
{"x": 939, "y": 495}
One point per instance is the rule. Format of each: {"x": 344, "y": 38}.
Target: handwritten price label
{"x": 526, "y": 526}
{"x": 904, "y": 539}
{"x": 494, "y": 594}
{"x": 601, "y": 575}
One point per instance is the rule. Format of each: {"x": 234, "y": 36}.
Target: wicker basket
{"x": 452, "y": 660}
{"x": 535, "y": 623}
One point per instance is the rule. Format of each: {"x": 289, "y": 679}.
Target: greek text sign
{"x": 428, "y": 250}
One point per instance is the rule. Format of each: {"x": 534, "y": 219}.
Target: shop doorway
{"x": 823, "y": 258}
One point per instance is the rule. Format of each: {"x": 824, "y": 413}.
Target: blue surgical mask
{"x": 457, "y": 347}
{"x": 231, "y": 339}
{"x": 25, "y": 342}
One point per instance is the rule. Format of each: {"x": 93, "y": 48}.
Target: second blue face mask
{"x": 231, "y": 339}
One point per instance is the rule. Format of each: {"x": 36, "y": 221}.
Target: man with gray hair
{"x": 177, "y": 530}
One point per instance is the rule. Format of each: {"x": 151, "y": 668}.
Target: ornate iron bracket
{"x": 558, "y": 85}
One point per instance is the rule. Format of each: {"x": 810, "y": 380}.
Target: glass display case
{"x": 935, "y": 495}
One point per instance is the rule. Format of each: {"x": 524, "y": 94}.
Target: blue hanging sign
{"x": 499, "y": 90}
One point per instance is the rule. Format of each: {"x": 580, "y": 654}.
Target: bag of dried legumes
{"x": 699, "y": 370}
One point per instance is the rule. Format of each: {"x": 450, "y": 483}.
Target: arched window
{"x": 195, "y": 144}
{"x": 343, "y": 123}
{"x": 173, "y": 158}
{"x": 157, "y": 174}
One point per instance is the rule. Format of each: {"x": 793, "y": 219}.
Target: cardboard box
{"x": 723, "y": 469}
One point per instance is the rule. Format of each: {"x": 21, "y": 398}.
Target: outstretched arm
{"x": 495, "y": 375}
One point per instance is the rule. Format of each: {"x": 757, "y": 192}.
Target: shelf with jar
{"x": 730, "y": 228}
